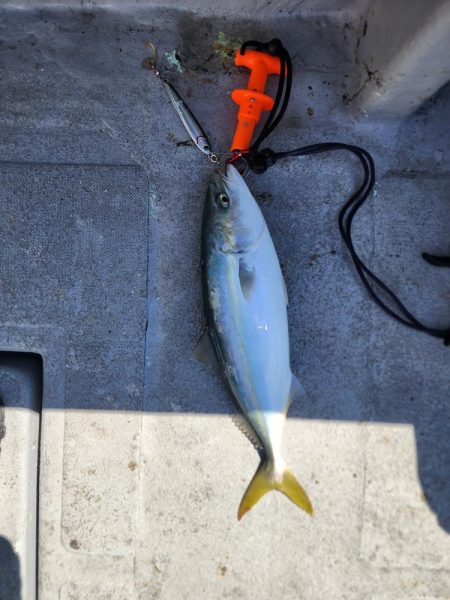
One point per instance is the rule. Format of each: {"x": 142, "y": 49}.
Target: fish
{"x": 245, "y": 305}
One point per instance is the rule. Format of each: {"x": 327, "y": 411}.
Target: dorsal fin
{"x": 204, "y": 353}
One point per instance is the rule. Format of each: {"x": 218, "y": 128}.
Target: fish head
{"x": 232, "y": 217}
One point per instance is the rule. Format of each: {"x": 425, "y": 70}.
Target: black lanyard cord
{"x": 346, "y": 215}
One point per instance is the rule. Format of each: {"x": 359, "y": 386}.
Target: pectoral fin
{"x": 204, "y": 353}
{"x": 246, "y": 278}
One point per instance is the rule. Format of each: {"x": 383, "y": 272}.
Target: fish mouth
{"x": 231, "y": 173}
{"x": 228, "y": 180}
{"x": 217, "y": 176}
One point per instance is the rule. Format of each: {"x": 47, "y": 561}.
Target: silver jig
{"x": 192, "y": 126}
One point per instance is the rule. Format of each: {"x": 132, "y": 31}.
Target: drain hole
{"x": 2, "y": 422}
{"x": 20, "y": 430}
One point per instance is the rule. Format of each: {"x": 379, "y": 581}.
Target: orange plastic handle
{"x": 252, "y": 101}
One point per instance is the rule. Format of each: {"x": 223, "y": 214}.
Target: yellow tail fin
{"x": 265, "y": 480}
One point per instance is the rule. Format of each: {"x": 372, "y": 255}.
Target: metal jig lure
{"x": 192, "y": 126}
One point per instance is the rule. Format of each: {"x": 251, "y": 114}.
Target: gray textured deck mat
{"x": 74, "y": 258}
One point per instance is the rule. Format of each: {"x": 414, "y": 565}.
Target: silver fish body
{"x": 245, "y": 304}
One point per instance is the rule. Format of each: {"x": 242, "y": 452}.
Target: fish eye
{"x": 223, "y": 200}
